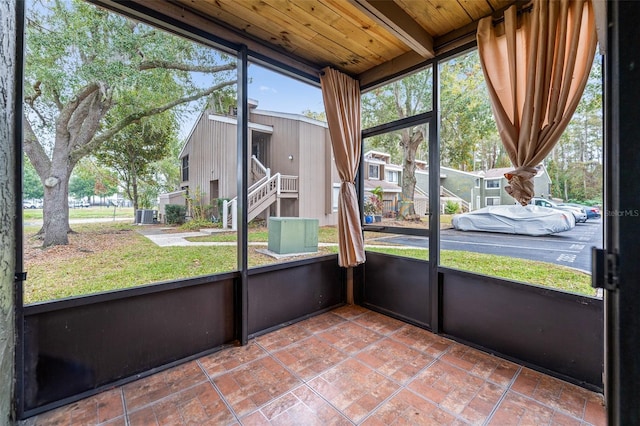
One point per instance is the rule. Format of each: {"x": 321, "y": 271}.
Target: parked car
{"x": 78, "y": 204}
{"x": 515, "y": 219}
{"x": 592, "y": 211}
{"x": 32, "y": 204}
{"x": 578, "y": 213}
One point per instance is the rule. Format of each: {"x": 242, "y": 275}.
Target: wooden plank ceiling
{"x": 368, "y": 39}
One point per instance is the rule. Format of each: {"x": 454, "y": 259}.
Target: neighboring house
{"x": 484, "y": 188}
{"x": 292, "y": 172}
{"x": 379, "y": 172}
{"x": 489, "y": 188}
{"x": 471, "y": 190}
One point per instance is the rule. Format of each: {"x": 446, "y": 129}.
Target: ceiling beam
{"x": 390, "y": 16}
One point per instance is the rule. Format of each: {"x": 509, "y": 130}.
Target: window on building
{"x": 492, "y": 183}
{"x": 374, "y": 171}
{"x": 185, "y": 168}
{"x": 334, "y": 197}
{"x": 393, "y": 176}
{"x": 477, "y": 183}
{"x": 492, "y": 201}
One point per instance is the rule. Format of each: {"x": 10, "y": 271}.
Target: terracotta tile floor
{"x": 348, "y": 366}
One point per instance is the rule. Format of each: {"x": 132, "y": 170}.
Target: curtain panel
{"x": 536, "y": 66}
{"x": 341, "y": 96}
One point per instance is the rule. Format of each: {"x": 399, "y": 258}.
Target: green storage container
{"x": 293, "y": 235}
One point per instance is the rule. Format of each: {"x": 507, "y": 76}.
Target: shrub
{"x": 451, "y": 207}
{"x": 218, "y": 207}
{"x": 197, "y": 224}
{"x": 175, "y": 213}
{"x": 200, "y": 210}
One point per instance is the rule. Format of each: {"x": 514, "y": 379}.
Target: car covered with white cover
{"x": 515, "y": 219}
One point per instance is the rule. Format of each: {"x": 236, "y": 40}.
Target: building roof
{"x": 378, "y": 154}
{"x": 370, "y": 184}
{"x": 290, "y": 116}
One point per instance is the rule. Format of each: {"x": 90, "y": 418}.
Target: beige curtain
{"x": 341, "y": 95}
{"x": 536, "y": 66}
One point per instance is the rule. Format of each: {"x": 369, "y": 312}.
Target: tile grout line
{"x": 405, "y": 386}
{"x": 305, "y": 382}
{"x": 215, "y": 387}
{"x": 401, "y": 386}
{"x": 124, "y": 406}
{"x": 436, "y": 359}
{"x": 349, "y": 356}
{"x": 147, "y": 405}
{"x": 503, "y": 396}
{"x": 554, "y": 410}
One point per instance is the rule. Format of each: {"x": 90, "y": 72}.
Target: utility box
{"x": 293, "y": 235}
{"x": 145, "y": 217}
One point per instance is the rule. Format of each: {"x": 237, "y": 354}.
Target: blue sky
{"x": 276, "y": 92}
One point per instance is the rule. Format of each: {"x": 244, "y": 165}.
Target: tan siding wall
{"x": 212, "y": 155}
{"x": 310, "y": 146}
{"x": 284, "y": 142}
{"x": 318, "y": 173}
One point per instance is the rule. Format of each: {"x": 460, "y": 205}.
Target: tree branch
{"x": 109, "y": 133}
{"x": 66, "y": 113}
{"x": 85, "y": 120}
{"x": 37, "y": 92}
{"x": 30, "y": 100}
{"x": 147, "y": 65}
{"x": 39, "y": 114}
{"x": 56, "y": 99}
{"x": 34, "y": 150}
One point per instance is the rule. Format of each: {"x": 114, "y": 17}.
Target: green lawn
{"x": 112, "y": 255}
{"x": 84, "y": 213}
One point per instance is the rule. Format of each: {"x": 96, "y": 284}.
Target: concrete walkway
{"x": 166, "y": 237}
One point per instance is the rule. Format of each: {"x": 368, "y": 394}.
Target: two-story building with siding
{"x": 292, "y": 172}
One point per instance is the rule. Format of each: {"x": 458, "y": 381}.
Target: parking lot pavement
{"x": 570, "y": 248}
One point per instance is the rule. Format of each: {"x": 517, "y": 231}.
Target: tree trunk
{"x": 409, "y": 148}
{"x": 407, "y": 209}
{"x": 55, "y": 211}
{"x": 133, "y": 178}
{"x": 134, "y": 190}
{"x": 9, "y": 93}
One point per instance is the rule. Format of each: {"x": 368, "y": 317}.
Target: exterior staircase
{"x": 266, "y": 190}
{"x": 446, "y": 195}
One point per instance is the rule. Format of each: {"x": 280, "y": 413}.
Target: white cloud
{"x": 268, "y": 89}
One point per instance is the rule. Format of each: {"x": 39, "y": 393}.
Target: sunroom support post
{"x": 621, "y": 213}
{"x": 11, "y": 60}
{"x": 434, "y": 202}
{"x": 242, "y": 298}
